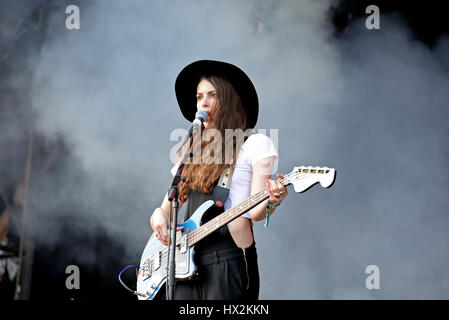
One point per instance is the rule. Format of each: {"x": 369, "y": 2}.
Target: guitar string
{"x": 191, "y": 237}
{"x": 200, "y": 233}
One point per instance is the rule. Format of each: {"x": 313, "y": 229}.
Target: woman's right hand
{"x": 159, "y": 223}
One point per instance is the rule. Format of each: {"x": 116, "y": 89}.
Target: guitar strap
{"x": 221, "y": 190}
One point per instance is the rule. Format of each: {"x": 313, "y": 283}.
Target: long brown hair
{"x": 229, "y": 114}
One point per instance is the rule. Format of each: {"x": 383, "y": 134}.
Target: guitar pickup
{"x": 156, "y": 261}
{"x": 185, "y": 244}
{"x": 181, "y": 246}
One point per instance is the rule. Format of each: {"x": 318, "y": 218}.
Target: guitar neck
{"x": 228, "y": 216}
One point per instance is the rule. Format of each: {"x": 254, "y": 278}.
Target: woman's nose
{"x": 205, "y": 102}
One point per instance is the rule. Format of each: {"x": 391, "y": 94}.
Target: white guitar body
{"x": 153, "y": 264}
{"x": 153, "y": 273}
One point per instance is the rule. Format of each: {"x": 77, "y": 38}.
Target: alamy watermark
{"x": 72, "y": 22}
{"x": 373, "y": 280}
{"x": 373, "y": 20}
{"x": 73, "y": 280}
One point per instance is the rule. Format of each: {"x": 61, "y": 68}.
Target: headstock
{"x": 304, "y": 177}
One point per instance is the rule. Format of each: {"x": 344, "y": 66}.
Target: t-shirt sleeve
{"x": 261, "y": 147}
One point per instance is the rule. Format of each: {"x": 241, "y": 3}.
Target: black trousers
{"x": 228, "y": 274}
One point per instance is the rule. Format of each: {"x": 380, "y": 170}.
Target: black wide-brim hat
{"x": 188, "y": 79}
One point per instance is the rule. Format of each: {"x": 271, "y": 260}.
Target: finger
{"x": 162, "y": 240}
{"x": 278, "y": 189}
{"x": 275, "y": 188}
{"x": 279, "y": 184}
{"x": 268, "y": 186}
{"x": 283, "y": 195}
{"x": 158, "y": 237}
{"x": 273, "y": 185}
{"x": 274, "y": 195}
{"x": 164, "y": 234}
{"x": 280, "y": 177}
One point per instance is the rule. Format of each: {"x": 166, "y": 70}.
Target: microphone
{"x": 200, "y": 117}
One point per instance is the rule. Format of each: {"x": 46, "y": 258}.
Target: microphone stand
{"x": 173, "y": 193}
{"x": 186, "y": 137}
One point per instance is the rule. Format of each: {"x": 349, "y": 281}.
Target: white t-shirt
{"x": 257, "y": 147}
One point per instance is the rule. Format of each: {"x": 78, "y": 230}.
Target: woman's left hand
{"x": 276, "y": 189}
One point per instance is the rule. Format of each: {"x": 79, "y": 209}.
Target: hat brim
{"x": 187, "y": 82}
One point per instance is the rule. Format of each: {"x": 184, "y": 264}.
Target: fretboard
{"x": 227, "y": 216}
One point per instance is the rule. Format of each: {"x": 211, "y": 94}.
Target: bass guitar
{"x": 153, "y": 264}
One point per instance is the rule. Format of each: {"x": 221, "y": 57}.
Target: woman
{"x": 227, "y": 258}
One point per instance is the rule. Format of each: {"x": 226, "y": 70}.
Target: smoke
{"x": 385, "y": 134}
{"x": 371, "y": 104}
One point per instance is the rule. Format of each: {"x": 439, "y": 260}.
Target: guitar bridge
{"x": 146, "y": 268}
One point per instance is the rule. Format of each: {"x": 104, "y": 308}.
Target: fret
{"x": 227, "y": 217}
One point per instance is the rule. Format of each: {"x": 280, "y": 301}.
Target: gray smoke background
{"x": 372, "y": 104}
